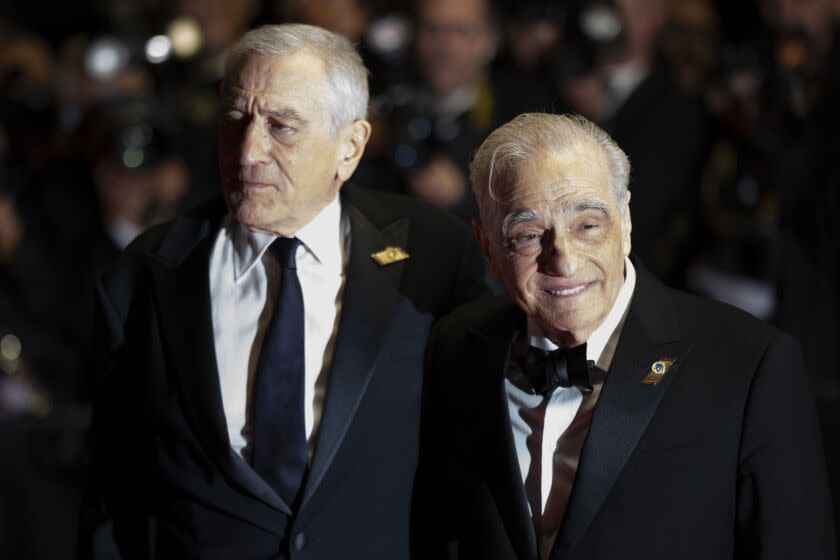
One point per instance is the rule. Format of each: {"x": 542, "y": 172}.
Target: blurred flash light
{"x": 185, "y": 36}
{"x": 10, "y": 347}
{"x": 133, "y": 157}
{"x": 601, "y": 23}
{"x": 158, "y": 49}
{"x": 389, "y": 34}
{"x": 419, "y": 128}
{"x": 105, "y": 58}
{"x": 405, "y": 156}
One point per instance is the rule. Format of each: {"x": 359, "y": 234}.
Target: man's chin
{"x": 253, "y": 216}
{"x": 569, "y": 326}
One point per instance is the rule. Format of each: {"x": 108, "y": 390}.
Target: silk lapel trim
{"x": 370, "y": 297}
{"x": 182, "y": 289}
{"x": 625, "y": 406}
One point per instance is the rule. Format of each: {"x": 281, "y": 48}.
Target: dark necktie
{"x": 564, "y": 367}
{"x": 279, "y": 452}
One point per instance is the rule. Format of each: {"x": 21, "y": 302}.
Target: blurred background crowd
{"x": 107, "y": 126}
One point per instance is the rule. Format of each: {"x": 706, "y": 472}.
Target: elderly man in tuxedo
{"x": 260, "y": 396}
{"x": 593, "y": 413}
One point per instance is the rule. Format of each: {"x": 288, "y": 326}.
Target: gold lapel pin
{"x": 389, "y": 255}
{"x": 657, "y": 371}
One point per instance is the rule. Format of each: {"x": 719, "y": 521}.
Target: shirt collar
{"x": 321, "y": 238}
{"x": 606, "y": 332}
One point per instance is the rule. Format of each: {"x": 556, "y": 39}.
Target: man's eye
{"x": 280, "y": 127}
{"x": 588, "y": 228}
{"x": 525, "y": 241}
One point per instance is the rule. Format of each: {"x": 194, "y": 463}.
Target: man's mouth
{"x": 569, "y": 291}
{"x": 254, "y": 185}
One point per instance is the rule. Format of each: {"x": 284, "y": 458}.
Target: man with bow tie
{"x": 593, "y": 413}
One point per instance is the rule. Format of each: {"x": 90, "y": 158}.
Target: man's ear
{"x": 626, "y": 225}
{"x": 354, "y": 138}
{"x": 484, "y": 242}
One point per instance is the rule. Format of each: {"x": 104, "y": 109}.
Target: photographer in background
{"x": 610, "y": 68}
{"x": 433, "y": 121}
{"x": 796, "y": 138}
{"x": 766, "y": 236}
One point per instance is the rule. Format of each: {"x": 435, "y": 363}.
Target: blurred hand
{"x": 440, "y": 182}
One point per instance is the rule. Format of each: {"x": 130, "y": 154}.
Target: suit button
{"x": 300, "y": 541}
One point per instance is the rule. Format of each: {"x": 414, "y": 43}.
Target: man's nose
{"x": 560, "y": 256}
{"x": 255, "y": 144}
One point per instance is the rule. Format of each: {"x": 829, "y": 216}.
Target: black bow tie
{"x": 565, "y": 367}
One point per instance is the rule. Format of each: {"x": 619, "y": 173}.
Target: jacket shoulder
{"x": 118, "y": 282}
{"x": 176, "y": 235}
{"x": 445, "y": 267}
{"x": 383, "y": 208}
{"x": 493, "y": 317}
{"x": 479, "y": 314}
{"x": 719, "y": 321}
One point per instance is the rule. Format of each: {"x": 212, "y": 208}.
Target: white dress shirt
{"x": 244, "y": 282}
{"x": 564, "y": 403}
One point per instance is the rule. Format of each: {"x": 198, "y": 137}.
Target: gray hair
{"x": 531, "y": 134}
{"x": 346, "y": 97}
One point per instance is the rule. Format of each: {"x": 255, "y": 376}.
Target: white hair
{"x": 534, "y": 134}
{"x": 346, "y": 97}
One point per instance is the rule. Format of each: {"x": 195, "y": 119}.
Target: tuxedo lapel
{"x": 182, "y": 288}
{"x": 625, "y": 407}
{"x": 183, "y": 292}
{"x": 493, "y": 346}
{"x": 370, "y": 297}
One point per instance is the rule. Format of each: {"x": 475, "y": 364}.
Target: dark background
{"x": 727, "y": 110}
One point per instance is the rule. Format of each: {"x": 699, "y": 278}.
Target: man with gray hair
{"x": 260, "y": 392}
{"x": 593, "y": 413}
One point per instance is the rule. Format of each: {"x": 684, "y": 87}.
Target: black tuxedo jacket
{"x": 720, "y": 459}
{"x": 163, "y": 470}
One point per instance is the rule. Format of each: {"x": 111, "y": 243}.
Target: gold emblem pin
{"x": 389, "y": 255}
{"x": 658, "y": 369}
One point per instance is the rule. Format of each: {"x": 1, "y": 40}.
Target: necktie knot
{"x": 284, "y": 250}
{"x": 565, "y": 367}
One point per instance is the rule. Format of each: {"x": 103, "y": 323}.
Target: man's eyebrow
{"x": 516, "y": 218}
{"x": 521, "y": 216}
{"x": 590, "y": 204}
{"x": 287, "y": 115}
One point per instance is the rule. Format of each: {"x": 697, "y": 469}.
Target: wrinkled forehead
{"x": 273, "y": 77}
{"x": 556, "y": 180}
